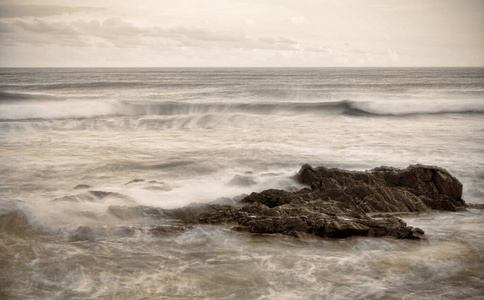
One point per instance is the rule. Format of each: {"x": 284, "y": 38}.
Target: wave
{"x": 345, "y": 107}
{"x": 270, "y": 87}
{"x": 96, "y": 109}
{"x": 12, "y": 97}
{"x": 413, "y": 108}
{"x": 80, "y": 85}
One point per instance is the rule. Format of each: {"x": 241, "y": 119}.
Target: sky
{"x": 241, "y": 33}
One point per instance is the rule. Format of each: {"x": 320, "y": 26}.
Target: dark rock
{"x": 82, "y": 233}
{"x": 418, "y": 230}
{"x": 102, "y": 194}
{"x": 150, "y": 185}
{"x": 207, "y": 214}
{"x": 124, "y": 212}
{"x": 92, "y": 196}
{"x": 228, "y": 201}
{"x": 339, "y": 204}
{"x": 270, "y": 198}
{"x": 475, "y": 206}
{"x": 169, "y": 230}
{"x": 76, "y": 198}
{"x": 134, "y": 181}
{"x": 125, "y": 231}
{"x": 157, "y": 186}
{"x": 241, "y": 180}
{"x": 414, "y": 189}
{"x": 82, "y": 186}
{"x": 15, "y": 223}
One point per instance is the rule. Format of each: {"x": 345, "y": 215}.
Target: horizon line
{"x": 265, "y": 67}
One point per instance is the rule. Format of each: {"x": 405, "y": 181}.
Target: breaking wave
{"x": 9, "y": 97}
{"x": 93, "y": 109}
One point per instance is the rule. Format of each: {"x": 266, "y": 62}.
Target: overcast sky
{"x": 241, "y": 33}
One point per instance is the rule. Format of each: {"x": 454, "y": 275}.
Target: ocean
{"x": 76, "y": 145}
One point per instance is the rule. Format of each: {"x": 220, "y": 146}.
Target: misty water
{"x": 187, "y": 133}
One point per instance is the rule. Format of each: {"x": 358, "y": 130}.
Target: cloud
{"x": 120, "y": 33}
{"x": 19, "y": 11}
{"x": 42, "y": 27}
{"x": 118, "y": 36}
{"x": 319, "y": 49}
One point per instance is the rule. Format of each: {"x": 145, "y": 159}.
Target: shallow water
{"x": 187, "y": 133}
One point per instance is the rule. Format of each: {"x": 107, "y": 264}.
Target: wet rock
{"x": 169, "y": 230}
{"x": 83, "y": 233}
{"x": 102, "y": 194}
{"x": 417, "y": 230}
{"x": 149, "y": 185}
{"x": 240, "y": 180}
{"x": 228, "y": 201}
{"x": 15, "y": 223}
{"x": 134, "y": 181}
{"x": 339, "y": 203}
{"x": 82, "y": 186}
{"x": 207, "y": 214}
{"x": 475, "y": 206}
{"x": 125, "y": 213}
{"x": 277, "y": 225}
{"x": 416, "y": 188}
{"x": 92, "y": 196}
{"x": 157, "y": 186}
{"x": 76, "y": 198}
{"x": 125, "y": 231}
{"x": 270, "y": 198}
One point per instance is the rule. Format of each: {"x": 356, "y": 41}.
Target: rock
{"x": 240, "y": 180}
{"x": 154, "y": 185}
{"x": 339, "y": 204}
{"x": 228, "y": 201}
{"x": 307, "y": 175}
{"x": 414, "y": 189}
{"x": 270, "y": 198}
{"x": 82, "y": 186}
{"x": 475, "y": 206}
{"x": 16, "y": 223}
{"x": 125, "y": 213}
{"x": 82, "y": 233}
{"x": 102, "y": 194}
{"x": 149, "y": 185}
{"x": 169, "y": 230}
{"x": 207, "y": 214}
{"x": 134, "y": 181}
{"x": 93, "y": 196}
{"x": 125, "y": 231}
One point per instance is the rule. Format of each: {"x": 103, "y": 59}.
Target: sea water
{"x": 167, "y": 138}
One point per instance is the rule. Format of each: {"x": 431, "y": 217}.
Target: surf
{"x": 45, "y": 110}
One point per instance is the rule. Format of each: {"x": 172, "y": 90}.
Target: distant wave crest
{"x": 96, "y": 109}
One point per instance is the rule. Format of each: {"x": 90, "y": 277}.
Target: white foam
{"x": 58, "y": 109}
{"x": 416, "y": 107}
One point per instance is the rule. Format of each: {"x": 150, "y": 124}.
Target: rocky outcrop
{"x": 82, "y": 186}
{"x": 149, "y": 185}
{"x": 93, "y": 196}
{"x": 241, "y": 180}
{"x": 82, "y": 233}
{"x": 337, "y": 203}
{"x": 415, "y": 189}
